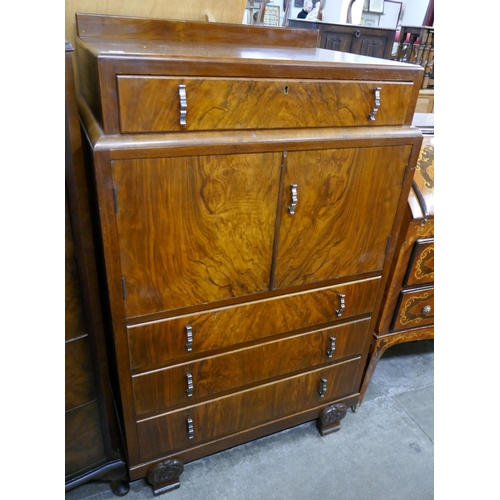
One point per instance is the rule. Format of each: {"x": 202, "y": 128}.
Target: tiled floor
{"x": 384, "y": 451}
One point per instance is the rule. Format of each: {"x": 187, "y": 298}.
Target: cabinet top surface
{"x": 121, "y": 37}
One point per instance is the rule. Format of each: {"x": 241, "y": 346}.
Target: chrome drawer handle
{"x": 190, "y": 386}
{"x": 190, "y": 428}
{"x": 322, "y": 387}
{"x": 189, "y": 335}
{"x": 338, "y": 312}
{"x": 295, "y": 199}
{"x": 376, "y": 91}
{"x": 332, "y": 347}
{"x": 183, "y": 103}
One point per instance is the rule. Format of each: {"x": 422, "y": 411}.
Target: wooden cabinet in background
{"x": 246, "y": 234}
{"x": 407, "y": 312}
{"x": 356, "y": 39}
{"x": 92, "y": 436}
{"x": 425, "y": 102}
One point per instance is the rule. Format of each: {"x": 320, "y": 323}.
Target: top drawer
{"x": 157, "y": 104}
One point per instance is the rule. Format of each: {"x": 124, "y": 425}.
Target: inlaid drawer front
{"x": 161, "y": 341}
{"x": 183, "y": 384}
{"x": 421, "y": 265}
{"x": 226, "y": 415}
{"x": 164, "y": 104}
{"x": 416, "y": 308}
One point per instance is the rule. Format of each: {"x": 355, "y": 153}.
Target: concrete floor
{"x": 384, "y": 451}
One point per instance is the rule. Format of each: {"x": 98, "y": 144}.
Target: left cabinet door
{"x": 195, "y": 229}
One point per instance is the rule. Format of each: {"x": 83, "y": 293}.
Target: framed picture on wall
{"x": 369, "y": 19}
{"x": 272, "y": 15}
{"x": 376, "y": 6}
{"x": 298, "y": 3}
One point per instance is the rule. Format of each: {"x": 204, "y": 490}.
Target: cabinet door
{"x": 370, "y": 45}
{"x": 346, "y": 201}
{"x": 193, "y": 230}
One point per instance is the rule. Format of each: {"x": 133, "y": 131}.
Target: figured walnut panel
{"x": 160, "y": 341}
{"x": 195, "y": 229}
{"x": 84, "y": 445}
{"x": 337, "y": 189}
{"x": 163, "y": 388}
{"x": 151, "y": 104}
{"x": 230, "y": 414}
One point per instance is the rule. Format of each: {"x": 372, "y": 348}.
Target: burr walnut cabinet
{"x": 249, "y": 189}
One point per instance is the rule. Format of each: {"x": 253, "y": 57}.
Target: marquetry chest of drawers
{"x": 249, "y": 189}
{"x": 407, "y": 311}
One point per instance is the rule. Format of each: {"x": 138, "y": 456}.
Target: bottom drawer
{"x": 415, "y": 308}
{"x": 227, "y": 415}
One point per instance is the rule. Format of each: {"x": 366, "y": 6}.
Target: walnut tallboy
{"x": 249, "y": 190}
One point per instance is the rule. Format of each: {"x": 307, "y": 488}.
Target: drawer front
{"x": 183, "y": 384}
{"x": 421, "y": 265}
{"x": 416, "y": 308}
{"x": 153, "y": 104}
{"x": 162, "y": 341}
{"x": 243, "y": 410}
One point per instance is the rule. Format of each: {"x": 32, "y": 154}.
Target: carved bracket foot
{"x": 329, "y": 419}
{"x": 164, "y": 476}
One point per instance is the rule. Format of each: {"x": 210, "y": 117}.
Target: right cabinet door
{"x": 337, "y": 213}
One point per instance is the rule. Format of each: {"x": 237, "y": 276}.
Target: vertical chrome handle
{"x": 190, "y": 427}
{"x": 332, "y": 347}
{"x": 183, "y": 104}
{"x": 322, "y": 387}
{"x": 376, "y": 91}
{"x": 189, "y": 335}
{"x": 295, "y": 199}
{"x": 338, "y": 312}
{"x": 190, "y": 386}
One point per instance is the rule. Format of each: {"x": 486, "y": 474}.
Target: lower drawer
{"x": 227, "y": 415}
{"x": 186, "y": 383}
{"x": 421, "y": 265}
{"x": 162, "y": 341}
{"x": 416, "y": 308}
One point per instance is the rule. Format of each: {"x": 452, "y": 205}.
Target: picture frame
{"x": 376, "y": 6}
{"x": 369, "y": 19}
{"x": 272, "y": 15}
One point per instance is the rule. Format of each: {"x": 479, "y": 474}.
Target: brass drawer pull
{"x": 189, "y": 335}
{"x": 190, "y": 386}
{"x": 295, "y": 199}
{"x": 338, "y": 312}
{"x": 376, "y": 91}
{"x": 183, "y": 103}
{"x": 190, "y": 427}
{"x": 332, "y": 347}
{"x": 322, "y": 387}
